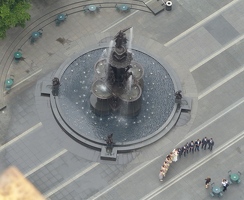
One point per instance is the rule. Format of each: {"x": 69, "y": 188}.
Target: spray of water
{"x": 109, "y": 49}
{"x": 130, "y": 40}
{"x": 104, "y": 54}
{"x": 108, "y": 52}
{"x": 101, "y": 68}
{"x": 129, "y": 83}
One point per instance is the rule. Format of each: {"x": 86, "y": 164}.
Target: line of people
{"x": 172, "y": 157}
{"x": 188, "y": 147}
{"x": 195, "y": 146}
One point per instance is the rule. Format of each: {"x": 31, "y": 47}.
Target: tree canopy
{"x": 13, "y": 13}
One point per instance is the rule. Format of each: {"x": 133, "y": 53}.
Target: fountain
{"x": 106, "y": 92}
{"x": 112, "y": 90}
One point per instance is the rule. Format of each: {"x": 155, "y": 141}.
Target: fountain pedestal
{"x": 108, "y": 154}
{"x": 118, "y": 82}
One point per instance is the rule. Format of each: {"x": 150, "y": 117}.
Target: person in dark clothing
{"x": 187, "y": 147}
{"x": 192, "y": 146}
{"x": 184, "y": 150}
{"x": 180, "y": 152}
{"x": 197, "y": 144}
{"x": 204, "y": 143}
{"x": 207, "y": 181}
{"x": 210, "y": 144}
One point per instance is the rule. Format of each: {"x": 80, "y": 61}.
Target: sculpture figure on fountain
{"x": 111, "y": 92}
{"x": 120, "y": 38}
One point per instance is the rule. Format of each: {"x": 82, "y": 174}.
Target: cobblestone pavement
{"x": 203, "y": 43}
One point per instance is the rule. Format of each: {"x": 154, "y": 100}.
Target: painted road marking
{"x": 45, "y": 163}
{"x": 48, "y": 194}
{"x": 183, "y": 34}
{"x": 116, "y": 23}
{"x": 216, "y": 53}
{"x": 124, "y": 18}
{"x": 194, "y": 167}
{"x": 20, "y": 136}
{"x": 15, "y": 85}
{"x": 213, "y": 119}
{"x": 131, "y": 173}
{"x": 220, "y": 82}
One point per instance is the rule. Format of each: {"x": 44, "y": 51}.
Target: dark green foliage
{"x": 13, "y": 13}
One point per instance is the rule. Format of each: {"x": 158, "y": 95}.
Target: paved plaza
{"x": 202, "y": 41}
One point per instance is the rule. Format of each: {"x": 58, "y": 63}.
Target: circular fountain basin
{"x": 72, "y": 107}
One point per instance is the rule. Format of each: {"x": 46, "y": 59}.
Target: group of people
{"x": 195, "y": 146}
{"x": 188, "y": 147}
{"x": 225, "y": 183}
{"x": 172, "y": 157}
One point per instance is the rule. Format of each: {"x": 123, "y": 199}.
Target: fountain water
{"x": 110, "y": 49}
{"x": 129, "y": 83}
{"x": 130, "y": 40}
{"x": 134, "y": 103}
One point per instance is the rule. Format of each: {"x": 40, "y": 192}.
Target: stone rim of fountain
{"x": 121, "y": 147}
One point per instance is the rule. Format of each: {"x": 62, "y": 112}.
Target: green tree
{"x": 13, "y": 13}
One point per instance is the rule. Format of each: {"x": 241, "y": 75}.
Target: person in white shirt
{"x": 174, "y": 155}
{"x": 225, "y": 184}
